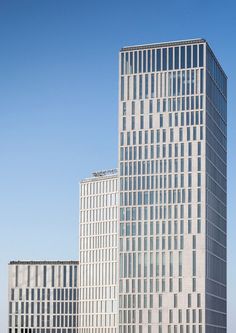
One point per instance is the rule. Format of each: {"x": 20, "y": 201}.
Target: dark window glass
{"x": 170, "y": 58}
{"x": 75, "y": 276}
{"x": 70, "y": 276}
{"x": 64, "y": 276}
{"x": 153, "y": 60}
{"x": 200, "y": 55}
{"x": 194, "y": 55}
{"x": 122, "y": 63}
{"x": 140, "y": 61}
{"x": 131, "y": 63}
{"x": 182, "y": 56}
{"x": 176, "y": 57}
{"x": 126, "y": 62}
{"x": 135, "y": 62}
{"x": 44, "y": 275}
{"x": 28, "y": 276}
{"x": 158, "y": 58}
{"x": 164, "y": 59}
{"x": 149, "y": 60}
{"x": 122, "y": 89}
{"x": 53, "y": 275}
{"x": 144, "y": 61}
{"x": 188, "y": 56}
{"x": 16, "y": 282}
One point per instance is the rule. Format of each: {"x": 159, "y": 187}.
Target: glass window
{"x": 158, "y": 60}
{"x": 200, "y": 55}
{"x": 164, "y": 59}
{"x": 146, "y": 85}
{"x": 140, "y": 87}
{"x": 182, "y": 56}
{"x": 134, "y": 87}
{"x": 140, "y": 61}
{"x": 135, "y": 62}
{"x": 126, "y": 62}
{"x": 194, "y": 55}
{"x": 176, "y": 57}
{"x": 149, "y": 60}
{"x": 152, "y": 86}
{"x": 122, "y": 89}
{"x": 170, "y": 60}
{"x": 144, "y": 61}
{"x": 153, "y": 60}
{"x": 122, "y": 63}
{"x": 189, "y": 53}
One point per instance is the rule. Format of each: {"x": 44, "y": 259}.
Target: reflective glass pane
{"x": 170, "y": 60}
{"x": 140, "y": 61}
{"x": 164, "y": 59}
{"x": 200, "y": 55}
{"x": 149, "y": 60}
{"x": 144, "y": 61}
{"x": 176, "y": 57}
{"x": 182, "y": 56}
{"x": 158, "y": 60}
{"x": 153, "y": 60}
{"x": 194, "y": 55}
{"x": 122, "y": 63}
{"x": 189, "y": 56}
{"x": 135, "y": 62}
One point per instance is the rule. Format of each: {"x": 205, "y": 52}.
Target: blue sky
{"x": 58, "y": 111}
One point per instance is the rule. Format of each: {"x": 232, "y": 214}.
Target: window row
{"x": 150, "y": 244}
{"x": 43, "y": 321}
{"x": 164, "y": 166}
{"x": 98, "y": 214}
{"x": 173, "y": 120}
{"x": 98, "y": 187}
{"x": 97, "y": 228}
{"x": 162, "y": 85}
{"x": 42, "y": 307}
{"x": 44, "y": 294}
{"x": 162, "y": 59}
{"x": 160, "y": 212}
{"x": 96, "y": 255}
{"x": 160, "y": 151}
{"x": 158, "y": 182}
{"x": 158, "y": 228}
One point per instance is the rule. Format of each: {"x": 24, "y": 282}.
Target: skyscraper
{"x": 98, "y": 288}
{"x": 172, "y": 189}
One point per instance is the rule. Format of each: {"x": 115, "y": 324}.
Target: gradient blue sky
{"x": 58, "y": 111}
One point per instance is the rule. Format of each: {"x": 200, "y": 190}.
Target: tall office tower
{"x": 98, "y": 287}
{"x": 43, "y": 296}
{"x": 172, "y": 185}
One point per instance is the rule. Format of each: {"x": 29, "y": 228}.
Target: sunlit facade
{"x": 98, "y": 288}
{"x": 43, "y": 296}
{"x": 172, "y": 187}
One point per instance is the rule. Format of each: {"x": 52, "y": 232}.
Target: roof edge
{"x": 43, "y": 262}
{"x": 162, "y": 44}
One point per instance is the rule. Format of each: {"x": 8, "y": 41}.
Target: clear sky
{"x": 58, "y": 111}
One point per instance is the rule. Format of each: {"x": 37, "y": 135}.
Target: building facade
{"x": 43, "y": 296}
{"x": 98, "y": 273}
{"x": 172, "y": 189}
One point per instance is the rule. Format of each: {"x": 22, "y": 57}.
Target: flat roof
{"x": 101, "y": 174}
{"x": 163, "y": 44}
{"x": 44, "y": 262}
{"x": 173, "y": 43}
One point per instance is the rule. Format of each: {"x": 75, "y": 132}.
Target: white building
{"x": 43, "y": 296}
{"x": 172, "y": 188}
{"x": 98, "y": 274}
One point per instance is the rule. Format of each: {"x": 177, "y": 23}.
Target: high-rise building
{"x": 98, "y": 285}
{"x": 43, "y": 296}
{"x": 172, "y": 189}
